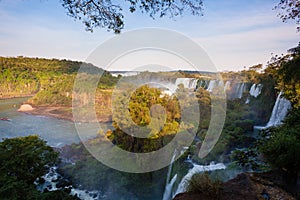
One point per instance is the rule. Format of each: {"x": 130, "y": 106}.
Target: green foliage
{"x": 109, "y": 14}
{"x": 262, "y": 106}
{"x": 247, "y": 158}
{"x": 204, "y": 101}
{"x": 286, "y": 71}
{"x": 51, "y": 81}
{"x": 237, "y": 132}
{"x": 155, "y": 114}
{"x": 57, "y": 92}
{"x": 30, "y": 156}
{"x": 23, "y": 160}
{"x": 281, "y": 145}
{"x": 259, "y": 108}
{"x": 159, "y": 116}
{"x": 289, "y": 74}
{"x": 202, "y": 183}
{"x": 246, "y": 76}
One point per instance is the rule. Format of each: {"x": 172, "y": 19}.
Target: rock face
{"x": 246, "y": 186}
{"x": 25, "y": 107}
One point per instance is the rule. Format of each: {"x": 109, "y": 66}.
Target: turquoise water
{"x": 56, "y": 132}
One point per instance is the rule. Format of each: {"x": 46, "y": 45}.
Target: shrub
{"x": 202, "y": 183}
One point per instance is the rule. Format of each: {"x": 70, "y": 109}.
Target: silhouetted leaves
{"x": 110, "y": 14}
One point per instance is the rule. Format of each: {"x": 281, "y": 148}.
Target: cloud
{"x": 234, "y": 33}
{"x": 233, "y": 51}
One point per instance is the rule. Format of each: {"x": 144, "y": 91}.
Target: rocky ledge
{"x": 249, "y": 186}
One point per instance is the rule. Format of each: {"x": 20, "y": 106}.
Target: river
{"x": 57, "y": 132}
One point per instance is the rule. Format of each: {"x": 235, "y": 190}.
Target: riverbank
{"x": 60, "y": 112}
{"x": 13, "y": 96}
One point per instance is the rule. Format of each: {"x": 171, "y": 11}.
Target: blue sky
{"x": 234, "y": 33}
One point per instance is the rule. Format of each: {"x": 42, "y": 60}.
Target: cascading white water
{"x": 197, "y": 169}
{"x": 280, "y": 110}
{"x": 235, "y": 90}
{"x": 189, "y": 83}
{"x": 226, "y": 86}
{"x": 212, "y": 84}
{"x": 169, "y": 183}
{"x": 51, "y": 184}
{"x": 168, "y": 188}
{"x": 241, "y": 90}
{"x": 193, "y": 83}
{"x": 169, "y": 88}
{"x": 255, "y": 90}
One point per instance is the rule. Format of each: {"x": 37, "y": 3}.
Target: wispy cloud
{"x": 234, "y": 33}
{"x": 233, "y": 51}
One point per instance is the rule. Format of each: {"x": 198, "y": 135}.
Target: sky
{"x": 234, "y": 33}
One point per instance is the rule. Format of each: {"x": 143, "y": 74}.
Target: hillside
{"x": 49, "y": 81}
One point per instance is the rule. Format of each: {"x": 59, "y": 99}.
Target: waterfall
{"x": 280, "y": 109}
{"x": 240, "y": 91}
{"x": 169, "y": 183}
{"x": 168, "y": 188}
{"x": 189, "y": 83}
{"x": 170, "y": 88}
{"x": 51, "y": 180}
{"x": 227, "y": 85}
{"x": 235, "y": 90}
{"x": 212, "y": 84}
{"x": 196, "y": 169}
{"x": 255, "y": 90}
{"x": 193, "y": 83}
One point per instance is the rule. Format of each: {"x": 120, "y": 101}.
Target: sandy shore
{"x": 60, "y": 113}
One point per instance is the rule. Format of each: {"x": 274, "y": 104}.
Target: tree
{"x": 23, "y": 160}
{"x": 290, "y": 10}
{"x": 285, "y": 69}
{"x": 109, "y": 14}
{"x": 281, "y": 146}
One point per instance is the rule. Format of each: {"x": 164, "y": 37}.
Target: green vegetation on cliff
{"x": 281, "y": 145}
{"x": 49, "y": 81}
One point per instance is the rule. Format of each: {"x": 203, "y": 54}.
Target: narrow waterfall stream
{"x": 170, "y": 183}
{"x": 280, "y": 110}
